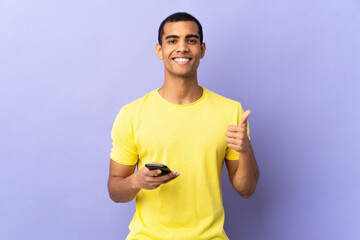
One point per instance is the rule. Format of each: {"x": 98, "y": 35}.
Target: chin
{"x": 184, "y": 74}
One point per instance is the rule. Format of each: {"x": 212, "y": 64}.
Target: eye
{"x": 192, "y": 41}
{"x": 172, "y": 41}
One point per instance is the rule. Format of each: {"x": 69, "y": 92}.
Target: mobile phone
{"x": 164, "y": 169}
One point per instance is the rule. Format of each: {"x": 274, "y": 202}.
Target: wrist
{"x": 134, "y": 181}
{"x": 246, "y": 150}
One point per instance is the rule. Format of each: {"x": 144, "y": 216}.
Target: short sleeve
{"x": 123, "y": 149}
{"x": 232, "y": 154}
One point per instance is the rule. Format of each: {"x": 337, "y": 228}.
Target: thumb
{"x": 244, "y": 118}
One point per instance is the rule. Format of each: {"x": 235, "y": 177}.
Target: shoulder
{"x": 216, "y": 98}
{"x": 133, "y": 107}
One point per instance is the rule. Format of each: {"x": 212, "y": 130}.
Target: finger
{"x": 233, "y": 128}
{"x": 155, "y": 185}
{"x": 161, "y": 180}
{"x": 230, "y": 134}
{"x": 236, "y": 134}
{"x": 169, "y": 180}
{"x": 233, "y": 146}
{"x": 232, "y": 141}
{"x": 244, "y": 118}
{"x": 167, "y": 176}
{"x": 174, "y": 175}
{"x": 152, "y": 173}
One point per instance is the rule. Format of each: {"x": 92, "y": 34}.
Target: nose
{"x": 182, "y": 46}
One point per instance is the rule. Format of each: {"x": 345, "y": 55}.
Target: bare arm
{"x": 121, "y": 184}
{"x": 244, "y": 173}
{"x": 124, "y": 184}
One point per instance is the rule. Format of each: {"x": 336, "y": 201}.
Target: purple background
{"x": 67, "y": 67}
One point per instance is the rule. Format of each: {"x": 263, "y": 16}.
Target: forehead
{"x": 182, "y": 28}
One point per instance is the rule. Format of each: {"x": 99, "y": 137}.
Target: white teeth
{"x": 182, "y": 59}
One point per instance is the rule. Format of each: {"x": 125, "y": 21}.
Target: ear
{"x": 158, "y": 51}
{"x": 203, "y": 49}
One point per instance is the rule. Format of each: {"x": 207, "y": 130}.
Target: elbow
{"x": 247, "y": 194}
{"x": 118, "y": 200}
{"x": 250, "y": 191}
{"x": 117, "y": 197}
{"x": 115, "y": 200}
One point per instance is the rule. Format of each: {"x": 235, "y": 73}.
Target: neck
{"x": 181, "y": 90}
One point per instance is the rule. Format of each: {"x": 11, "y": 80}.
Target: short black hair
{"x": 179, "y": 17}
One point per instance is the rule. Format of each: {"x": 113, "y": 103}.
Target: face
{"x": 181, "y": 50}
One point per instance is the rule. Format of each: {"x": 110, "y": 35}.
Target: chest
{"x": 161, "y": 134}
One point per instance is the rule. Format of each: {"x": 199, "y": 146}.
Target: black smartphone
{"x": 164, "y": 169}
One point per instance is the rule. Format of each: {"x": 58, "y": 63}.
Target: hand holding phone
{"x": 153, "y": 166}
{"x": 153, "y": 175}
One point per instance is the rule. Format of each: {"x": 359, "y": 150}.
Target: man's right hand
{"x": 144, "y": 178}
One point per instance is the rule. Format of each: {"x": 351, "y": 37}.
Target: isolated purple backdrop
{"x": 67, "y": 67}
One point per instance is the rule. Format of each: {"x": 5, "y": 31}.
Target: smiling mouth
{"x": 181, "y": 60}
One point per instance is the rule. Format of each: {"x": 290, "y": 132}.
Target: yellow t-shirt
{"x": 189, "y": 139}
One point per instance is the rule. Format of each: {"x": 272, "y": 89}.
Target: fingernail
{"x": 159, "y": 171}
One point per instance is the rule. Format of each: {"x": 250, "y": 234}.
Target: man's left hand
{"x": 237, "y": 135}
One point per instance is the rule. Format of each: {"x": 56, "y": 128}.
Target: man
{"x": 191, "y": 130}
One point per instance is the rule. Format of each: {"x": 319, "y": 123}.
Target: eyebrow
{"x": 187, "y": 36}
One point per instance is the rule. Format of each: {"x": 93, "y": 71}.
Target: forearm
{"x": 247, "y": 173}
{"x": 123, "y": 189}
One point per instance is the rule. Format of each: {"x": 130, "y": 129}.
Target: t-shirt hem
{"x": 122, "y": 162}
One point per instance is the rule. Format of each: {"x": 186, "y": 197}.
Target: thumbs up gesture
{"x": 237, "y": 137}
